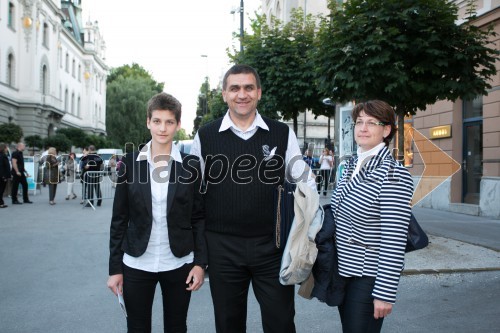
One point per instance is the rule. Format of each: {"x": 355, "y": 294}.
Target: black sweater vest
{"x": 241, "y": 177}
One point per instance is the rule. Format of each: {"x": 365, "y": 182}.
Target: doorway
{"x": 472, "y": 162}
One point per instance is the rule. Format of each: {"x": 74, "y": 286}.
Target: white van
{"x": 107, "y": 153}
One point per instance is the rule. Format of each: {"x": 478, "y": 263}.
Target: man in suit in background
{"x": 91, "y": 182}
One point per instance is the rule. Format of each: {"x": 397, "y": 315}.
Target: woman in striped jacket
{"x": 371, "y": 207}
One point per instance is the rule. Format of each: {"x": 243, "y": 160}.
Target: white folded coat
{"x": 300, "y": 250}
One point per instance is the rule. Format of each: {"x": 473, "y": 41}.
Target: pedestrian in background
{"x": 325, "y": 166}
{"x": 112, "y": 170}
{"x": 91, "y": 181}
{"x": 239, "y": 208}
{"x": 50, "y": 166}
{"x": 4, "y": 172}
{"x": 371, "y": 209}
{"x": 157, "y": 227}
{"x": 308, "y": 158}
{"x": 19, "y": 175}
{"x": 85, "y": 152}
{"x": 70, "y": 176}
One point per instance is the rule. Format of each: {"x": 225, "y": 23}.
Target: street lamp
{"x": 206, "y": 64}
{"x": 331, "y": 105}
{"x": 241, "y": 11}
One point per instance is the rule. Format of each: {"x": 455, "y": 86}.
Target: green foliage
{"x": 217, "y": 106}
{"x": 135, "y": 71}
{"x": 203, "y": 108}
{"x": 181, "y": 135}
{"x": 98, "y": 141}
{"x": 77, "y": 136}
{"x": 58, "y": 141}
{"x": 34, "y": 141}
{"x": 10, "y": 132}
{"x": 128, "y": 91}
{"x": 408, "y": 53}
{"x": 282, "y": 55}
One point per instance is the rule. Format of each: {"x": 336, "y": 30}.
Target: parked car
{"x": 107, "y": 153}
{"x": 184, "y": 146}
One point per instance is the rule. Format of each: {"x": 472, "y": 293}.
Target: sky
{"x": 168, "y": 39}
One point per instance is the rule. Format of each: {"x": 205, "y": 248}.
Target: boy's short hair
{"x": 164, "y": 101}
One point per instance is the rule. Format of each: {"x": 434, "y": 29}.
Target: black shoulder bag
{"x": 417, "y": 238}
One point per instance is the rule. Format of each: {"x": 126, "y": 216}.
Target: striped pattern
{"x": 372, "y": 212}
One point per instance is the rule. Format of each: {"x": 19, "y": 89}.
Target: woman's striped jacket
{"x": 372, "y": 212}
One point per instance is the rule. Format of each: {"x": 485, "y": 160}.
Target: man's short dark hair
{"x": 241, "y": 69}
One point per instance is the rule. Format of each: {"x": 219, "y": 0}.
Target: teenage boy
{"x": 157, "y": 227}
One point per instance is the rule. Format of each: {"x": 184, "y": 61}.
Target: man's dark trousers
{"x": 16, "y": 180}
{"x": 236, "y": 261}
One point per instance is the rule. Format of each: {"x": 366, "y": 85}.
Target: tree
{"x": 59, "y": 141}
{"x": 98, "y": 141}
{"x": 181, "y": 135}
{"x": 282, "y": 55}
{"x": 203, "y": 108}
{"x": 137, "y": 71}
{"x": 408, "y": 53}
{"x": 77, "y": 136}
{"x": 10, "y": 132}
{"x": 34, "y": 141}
{"x": 128, "y": 91}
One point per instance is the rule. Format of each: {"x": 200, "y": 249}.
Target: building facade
{"x": 469, "y": 132}
{"x": 52, "y": 69}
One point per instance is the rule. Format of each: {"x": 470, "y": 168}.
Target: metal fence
{"x": 97, "y": 186}
{"x": 331, "y": 181}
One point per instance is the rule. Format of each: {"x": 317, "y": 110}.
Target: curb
{"x": 448, "y": 270}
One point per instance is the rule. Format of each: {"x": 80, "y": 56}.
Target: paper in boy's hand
{"x": 122, "y": 303}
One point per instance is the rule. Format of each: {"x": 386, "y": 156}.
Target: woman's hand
{"x": 382, "y": 309}
{"x": 195, "y": 278}
{"x": 115, "y": 283}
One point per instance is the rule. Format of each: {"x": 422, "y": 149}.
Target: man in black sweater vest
{"x": 245, "y": 157}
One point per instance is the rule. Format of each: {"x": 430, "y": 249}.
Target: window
{"x": 67, "y": 62}
{"x": 66, "y": 100}
{"x": 78, "y": 107}
{"x": 10, "y": 70}
{"x": 11, "y": 16}
{"x": 80, "y": 73}
{"x": 45, "y": 36}
{"x": 45, "y": 79}
{"x": 73, "y": 68}
{"x": 473, "y": 108}
{"x": 73, "y": 103}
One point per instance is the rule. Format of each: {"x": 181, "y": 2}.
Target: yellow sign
{"x": 439, "y": 132}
